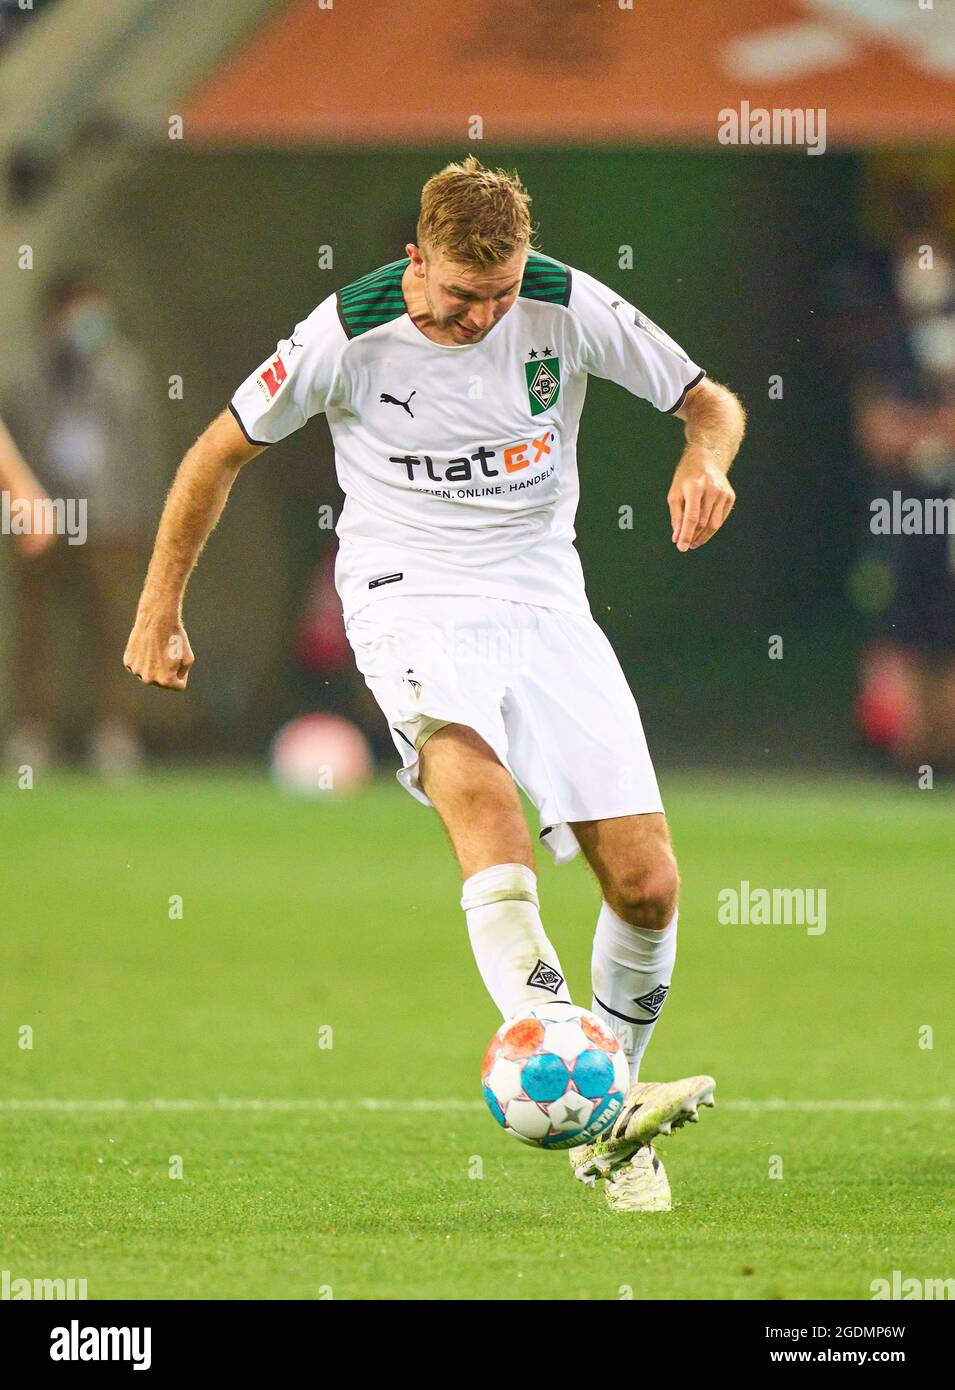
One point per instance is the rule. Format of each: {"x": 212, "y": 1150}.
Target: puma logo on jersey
{"x": 385, "y": 399}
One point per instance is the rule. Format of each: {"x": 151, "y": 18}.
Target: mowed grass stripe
{"x": 431, "y": 1105}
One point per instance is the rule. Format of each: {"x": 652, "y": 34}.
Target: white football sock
{"x": 517, "y": 963}
{"x": 631, "y": 969}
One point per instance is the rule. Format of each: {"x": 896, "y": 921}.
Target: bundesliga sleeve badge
{"x": 271, "y": 378}
{"x": 543, "y": 380}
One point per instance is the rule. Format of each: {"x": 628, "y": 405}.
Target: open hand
{"x": 700, "y": 499}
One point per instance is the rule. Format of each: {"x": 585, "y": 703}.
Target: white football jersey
{"x": 459, "y": 464}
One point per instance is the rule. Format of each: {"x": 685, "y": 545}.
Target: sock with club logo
{"x": 631, "y": 969}
{"x": 518, "y": 964}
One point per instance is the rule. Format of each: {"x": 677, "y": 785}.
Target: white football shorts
{"x": 541, "y": 686}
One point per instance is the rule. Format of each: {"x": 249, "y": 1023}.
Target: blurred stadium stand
{"x": 299, "y": 133}
{"x": 85, "y": 81}
{"x": 16, "y": 15}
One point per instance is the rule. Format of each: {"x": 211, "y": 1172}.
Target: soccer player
{"x": 453, "y": 381}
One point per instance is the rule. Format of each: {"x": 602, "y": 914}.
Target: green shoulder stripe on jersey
{"x": 374, "y": 299}
{"x": 547, "y": 279}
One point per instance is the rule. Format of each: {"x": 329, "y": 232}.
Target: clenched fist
{"x": 158, "y": 651}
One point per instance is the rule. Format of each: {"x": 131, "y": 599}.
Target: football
{"x": 320, "y": 755}
{"x": 554, "y": 1076}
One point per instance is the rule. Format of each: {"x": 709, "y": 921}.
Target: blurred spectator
{"x": 81, "y": 409}
{"x": 904, "y": 419}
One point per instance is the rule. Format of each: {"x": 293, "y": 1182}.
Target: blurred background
{"x": 181, "y": 183}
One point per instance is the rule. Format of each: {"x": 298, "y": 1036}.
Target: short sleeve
{"x": 300, "y": 379}
{"x": 621, "y": 344}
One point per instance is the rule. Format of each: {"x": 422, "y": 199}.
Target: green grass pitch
{"x": 300, "y": 917}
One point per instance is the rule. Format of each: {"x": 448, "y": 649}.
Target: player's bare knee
{"x": 645, "y": 895}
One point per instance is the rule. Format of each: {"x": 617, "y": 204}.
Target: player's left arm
{"x": 700, "y": 497}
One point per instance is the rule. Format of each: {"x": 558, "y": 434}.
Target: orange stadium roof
{"x": 391, "y": 72}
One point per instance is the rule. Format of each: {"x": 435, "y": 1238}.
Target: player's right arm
{"x": 17, "y": 479}
{"x": 298, "y": 380}
{"x": 158, "y": 650}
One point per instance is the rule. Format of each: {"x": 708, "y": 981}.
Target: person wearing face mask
{"x": 81, "y": 408}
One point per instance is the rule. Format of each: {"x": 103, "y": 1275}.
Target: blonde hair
{"x": 476, "y": 216}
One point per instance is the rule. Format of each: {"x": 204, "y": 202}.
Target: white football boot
{"x": 640, "y": 1184}
{"x": 650, "y": 1108}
